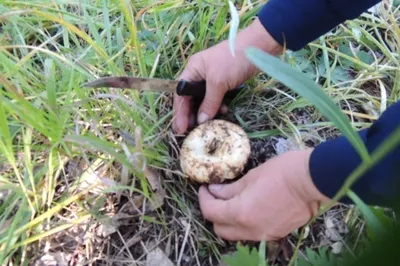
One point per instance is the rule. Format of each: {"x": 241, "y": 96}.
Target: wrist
{"x": 255, "y": 35}
{"x": 300, "y": 177}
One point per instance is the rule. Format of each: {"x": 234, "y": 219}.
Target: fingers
{"x": 182, "y": 113}
{"x": 211, "y": 103}
{"x": 228, "y": 232}
{"x": 215, "y": 210}
{"x": 232, "y": 190}
{"x": 223, "y": 109}
{"x": 235, "y": 233}
{"x": 182, "y": 104}
{"x": 228, "y": 191}
{"x": 196, "y": 70}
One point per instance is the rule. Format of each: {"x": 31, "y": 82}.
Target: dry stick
{"x": 184, "y": 243}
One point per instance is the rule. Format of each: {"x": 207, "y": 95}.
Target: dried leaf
{"x": 337, "y": 247}
{"x": 370, "y": 109}
{"x": 94, "y": 175}
{"x": 285, "y": 145}
{"x": 157, "y": 200}
{"x": 53, "y": 258}
{"x": 273, "y": 249}
{"x": 105, "y": 230}
{"x": 132, "y": 206}
{"x": 153, "y": 178}
{"x": 4, "y": 193}
{"x": 335, "y": 229}
{"x": 157, "y": 257}
{"x": 5, "y": 225}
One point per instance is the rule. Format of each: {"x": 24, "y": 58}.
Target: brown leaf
{"x": 5, "y": 225}
{"x": 50, "y": 259}
{"x": 273, "y": 249}
{"x": 132, "y": 206}
{"x": 95, "y": 175}
{"x": 106, "y": 229}
{"x": 153, "y": 178}
{"x": 337, "y": 247}
{"x": 157, "y": 200}
{"x": 157, "y": 257}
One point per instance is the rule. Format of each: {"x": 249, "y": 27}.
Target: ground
{"x": 92, "y": 176}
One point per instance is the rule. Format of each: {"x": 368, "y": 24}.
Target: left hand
{"x": 222, "y": 72}
{"x": 268, "y": 203}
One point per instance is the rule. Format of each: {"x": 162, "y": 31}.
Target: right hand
{"x": 222, "y": 72}
{"x": 268, "y": 203}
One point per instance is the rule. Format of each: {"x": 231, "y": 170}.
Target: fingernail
{"x": 215, "y": 187}
{"x": 203, "y": 117}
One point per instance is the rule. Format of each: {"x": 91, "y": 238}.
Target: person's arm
{"x": 295, "y": 23}
{"x": 333, "y": 161}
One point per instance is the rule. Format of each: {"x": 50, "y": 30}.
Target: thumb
{"x": 183, "y": 112}
{"x": 211, "y": 103}
{"x": 228, "y": 191}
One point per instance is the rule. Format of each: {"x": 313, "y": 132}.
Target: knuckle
{"x": 194, "y": 59}
{"x": 210, "y": 103}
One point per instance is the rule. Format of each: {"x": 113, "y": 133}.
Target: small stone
{"x": 337, "y": 247}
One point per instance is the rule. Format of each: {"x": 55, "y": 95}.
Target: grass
{"x": 79, "y": 166}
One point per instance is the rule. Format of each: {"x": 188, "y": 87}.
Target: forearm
{"x": 332, "y": 162}
{"x": 294, "y": 23}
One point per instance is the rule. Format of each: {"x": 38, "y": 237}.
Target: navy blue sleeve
{"x": 333, "y": 161}
{"x": 295, "y": 23}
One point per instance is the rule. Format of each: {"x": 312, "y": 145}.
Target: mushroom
{"x": 215, "y": 151}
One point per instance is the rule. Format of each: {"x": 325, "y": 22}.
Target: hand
{"x": 222, "y": 72}
{"x": 268, "y": 203}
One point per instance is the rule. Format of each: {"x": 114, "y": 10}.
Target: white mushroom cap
{"x": 215, "y": 151}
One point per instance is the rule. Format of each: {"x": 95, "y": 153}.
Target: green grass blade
{"x": 369, "y": 216}
{"x": 11, "y": 237}
{"x": 107, "y": 26}
{"x": 50, "y": 84}
{"x": 51, "y": 231}
{"x": 233, "y": 27}
{"x": 308, "y": 89}
{"x": 5, "y": 136}
{"x": 261, "y": 254}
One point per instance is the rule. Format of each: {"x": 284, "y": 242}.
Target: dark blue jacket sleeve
{"x": 333, "y": 161}
{"x": 295, "y": 23}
